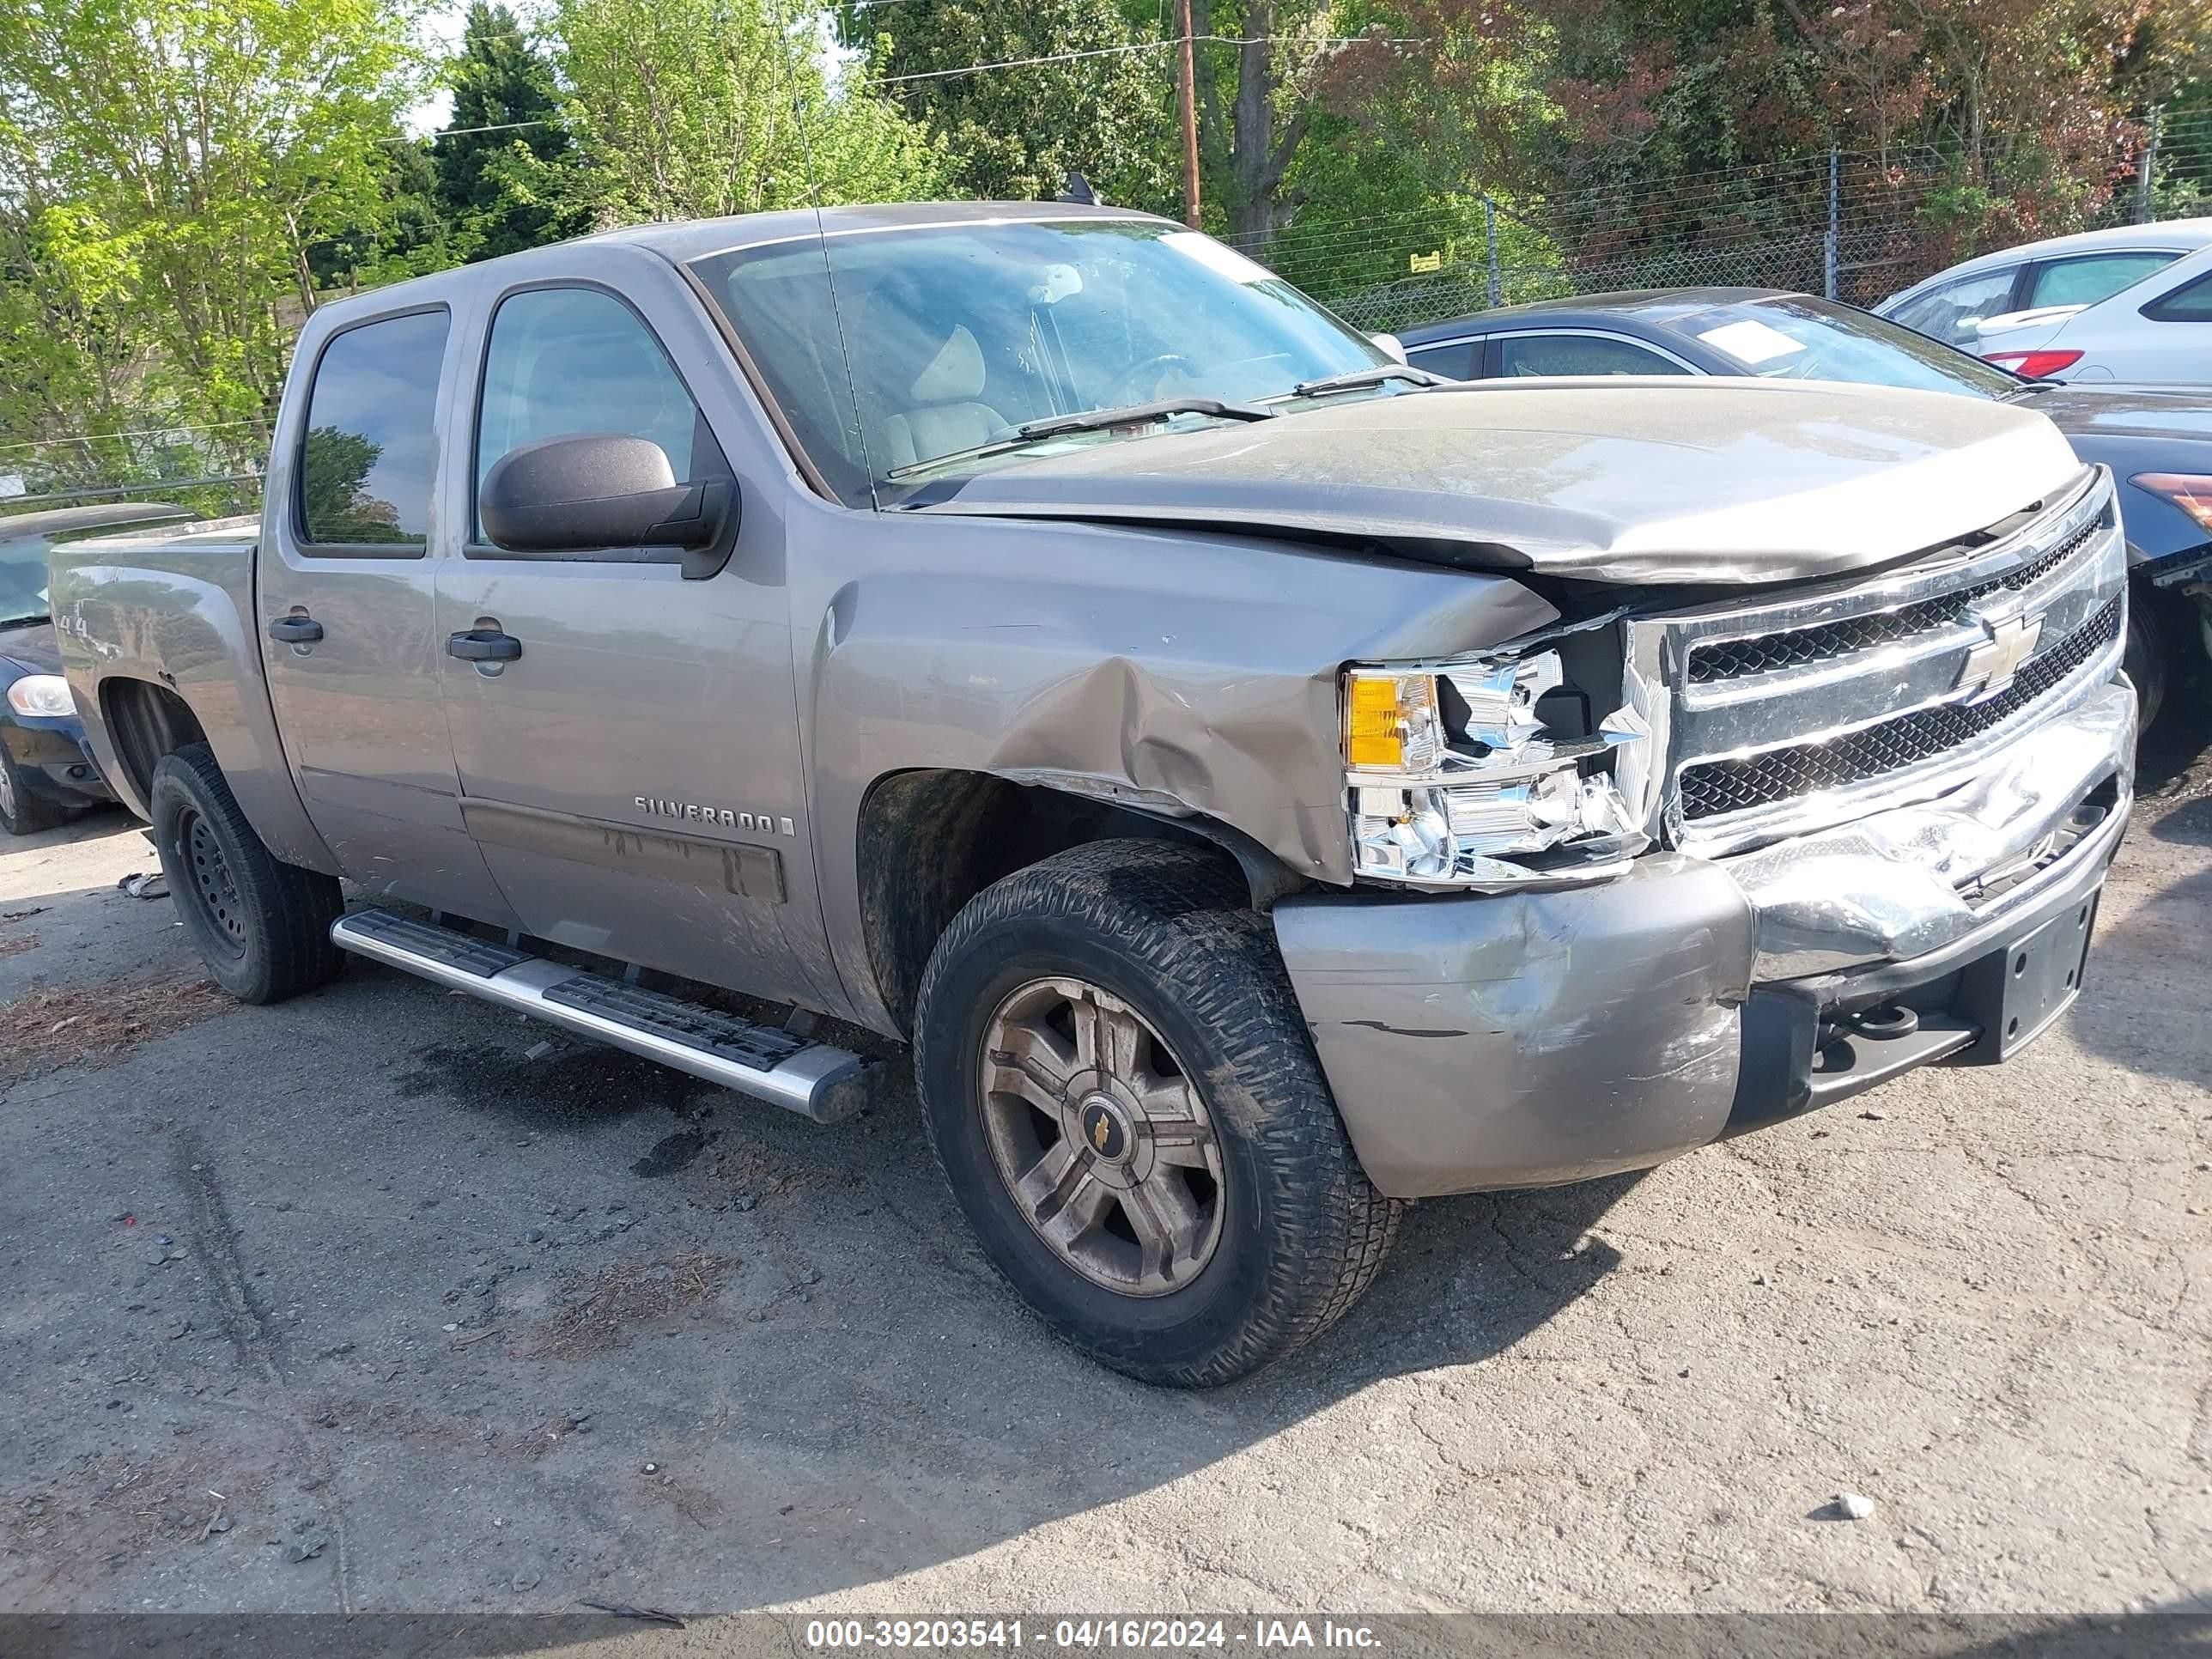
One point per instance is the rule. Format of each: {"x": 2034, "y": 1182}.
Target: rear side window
{"x": 369, "y": 452}
{"x": 1579, "y": 354}
{"x": 1454, "y": 362}
{"x": 564, "y": 361}
{"x": 2095, "y": 276}
{"x": 1950, "y": 312}
{"x": 2190, "y": 303}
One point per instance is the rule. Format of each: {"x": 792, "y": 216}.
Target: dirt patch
{"x": 603, "y": 1312}
{"x": 701, "y": 1507}
{"x": 15, "y": 947}
{"x": 96, "y": 1025}
{"x": 119, "y": 1503}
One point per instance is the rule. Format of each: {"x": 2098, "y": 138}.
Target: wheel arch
{"x": 929, "y": 839}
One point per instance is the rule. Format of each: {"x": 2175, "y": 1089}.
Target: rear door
{"x": 633, "y": 776}
{"x": 2157, "y": 333}
{"x": 346, "y": 600}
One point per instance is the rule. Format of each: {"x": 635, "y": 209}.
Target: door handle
{"x": 296, "y": 631}
{"x": 483, "y": 645}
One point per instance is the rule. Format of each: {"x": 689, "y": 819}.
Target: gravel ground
{"x": 350, "y": 1303}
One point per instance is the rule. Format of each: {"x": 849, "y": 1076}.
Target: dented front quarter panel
{"x": 1186, "y": 675}
{"x": 1602, "y": 1024}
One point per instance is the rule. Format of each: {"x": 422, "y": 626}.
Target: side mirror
{"x": 1392, "y": 347}
{"x": 600, "y": 490}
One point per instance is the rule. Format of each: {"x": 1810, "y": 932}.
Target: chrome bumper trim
{"x": 1894, "y": 885}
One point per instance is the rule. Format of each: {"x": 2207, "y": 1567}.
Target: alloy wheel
{"x": 1103, "y": 1140}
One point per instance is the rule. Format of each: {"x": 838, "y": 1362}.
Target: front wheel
{"x": 261, "y": 926}
{"x": 23, "y": 812}
{"x": 1119, "y": 1083}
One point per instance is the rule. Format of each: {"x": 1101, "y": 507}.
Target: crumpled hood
{"x": 1618, "y": 479}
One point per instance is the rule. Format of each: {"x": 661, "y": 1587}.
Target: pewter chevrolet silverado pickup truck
{"x": 1263, "y": 787}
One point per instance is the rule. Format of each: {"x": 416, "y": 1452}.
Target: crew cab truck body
{"x": 1296, "y": 791}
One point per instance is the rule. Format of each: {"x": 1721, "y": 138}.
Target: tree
{"x": 693, "y": 108}
{"x": 506, "y": 172}
{"x": 401, "y": 233}
{"x": 201, "y": 148}
{"x": 1015, "y": 133}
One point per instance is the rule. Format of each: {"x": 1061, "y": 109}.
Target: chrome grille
{"x": 1775, "y": 774}
{"x": 1727, "y": 660}
{"x": 1794, "y": 712}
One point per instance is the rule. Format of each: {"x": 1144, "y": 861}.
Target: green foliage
{"x": 1015, "y": 133}
{"x": 168, "y": 164}
{"x": 695, "y": 108}
{"x": 503, "y": 191}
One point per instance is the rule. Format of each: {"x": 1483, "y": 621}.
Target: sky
{"x": 441, "y": 26}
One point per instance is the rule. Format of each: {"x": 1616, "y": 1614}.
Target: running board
{"x": 811, "y": 1079}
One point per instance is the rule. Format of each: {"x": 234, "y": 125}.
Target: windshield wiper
{"x": 1095, "y": 420}
{"x": 1100, "y": 420}
{"x": 25, "y": 622}
{"x": 1358, "y": 378}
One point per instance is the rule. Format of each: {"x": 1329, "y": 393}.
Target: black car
{"x": 2156, "y": 440}
{"x": 46, "y": 773}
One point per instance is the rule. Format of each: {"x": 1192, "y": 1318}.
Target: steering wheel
{"x": 1124, "y": 390}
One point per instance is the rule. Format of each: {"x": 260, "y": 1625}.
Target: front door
{"x": 632, "y": 775}
{"x": 346, "y": 614}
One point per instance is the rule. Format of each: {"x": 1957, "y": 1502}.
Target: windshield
{"x": 960, "y": 334}
{"x": 1808, "y": 339}
{"x": 23, "y": 584}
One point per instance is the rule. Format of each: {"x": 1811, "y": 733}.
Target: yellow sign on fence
{"x": 1419, "y": 264}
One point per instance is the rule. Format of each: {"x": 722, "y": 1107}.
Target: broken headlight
{"x": 1458, "y": 772}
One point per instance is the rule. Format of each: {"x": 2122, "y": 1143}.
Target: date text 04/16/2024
{"x": 1163, "y": 1635}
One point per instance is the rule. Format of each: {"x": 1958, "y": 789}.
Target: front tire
{"x": 1118, "y": 1082}
{"x": 261, "y": 926}
{"x": 23, "y": 812}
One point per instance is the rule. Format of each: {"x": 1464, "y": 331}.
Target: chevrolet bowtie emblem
{"x": 1990, "y": 666}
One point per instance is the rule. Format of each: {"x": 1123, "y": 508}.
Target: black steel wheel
{"x": 261, "y": 926}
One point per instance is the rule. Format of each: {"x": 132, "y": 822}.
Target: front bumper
{"x": 55, "y": 761}
{"x": 1530, "y": 1039}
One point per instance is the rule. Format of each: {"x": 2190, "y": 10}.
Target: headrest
{"x": 955, "y": 374}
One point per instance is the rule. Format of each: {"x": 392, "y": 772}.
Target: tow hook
{"x": 1885, "y": 1023}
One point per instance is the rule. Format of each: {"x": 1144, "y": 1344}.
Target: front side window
{"x": 565, "y": 361}
{"x": 1579, "y": 354}
{"x": 1953, "y": 312}
{"x": 895, "y": 354}
{"x": 2095, "y": 276}
{"x": 1808, "y": 339}
{"x": 369, "y": 452}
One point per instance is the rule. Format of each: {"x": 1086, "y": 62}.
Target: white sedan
{"x": 2132, "y": 304}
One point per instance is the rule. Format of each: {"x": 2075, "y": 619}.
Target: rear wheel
{"x": 261, "y": 926}
{"x": 1118, "y": 1082}
{"x": 21, "y": 812}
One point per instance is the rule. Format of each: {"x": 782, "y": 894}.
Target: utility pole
{"x": 1190, "y": 203}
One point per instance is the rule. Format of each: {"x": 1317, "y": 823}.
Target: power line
{"x": 140, "y": 432}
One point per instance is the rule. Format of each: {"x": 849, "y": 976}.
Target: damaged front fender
{"x": 1181, "y": 675}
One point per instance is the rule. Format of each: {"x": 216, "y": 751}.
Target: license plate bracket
{"x": 2017, "y": 993}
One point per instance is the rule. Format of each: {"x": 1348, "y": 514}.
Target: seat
{"x": 944, "y": 412}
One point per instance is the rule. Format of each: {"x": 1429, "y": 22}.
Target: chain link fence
{"x": 1855, "y": 228}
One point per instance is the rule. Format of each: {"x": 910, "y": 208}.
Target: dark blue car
{"x": 2156, "y": 440}
{"x": 46, "y": 773}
